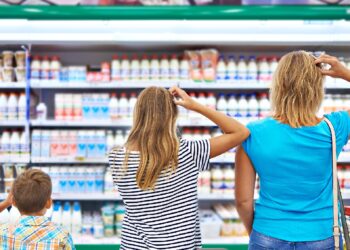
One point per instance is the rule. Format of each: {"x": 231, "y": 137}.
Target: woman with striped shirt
{"x": 156, "y": 173}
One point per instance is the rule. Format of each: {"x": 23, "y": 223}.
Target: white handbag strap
{"x": 336, "y": 229}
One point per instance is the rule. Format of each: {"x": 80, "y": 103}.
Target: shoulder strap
{"x": 336, "y": 229}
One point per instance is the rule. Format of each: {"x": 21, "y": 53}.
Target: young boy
{"x": 31, "y": 194}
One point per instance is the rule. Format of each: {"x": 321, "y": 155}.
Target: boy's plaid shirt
{"x": 34, "y": 233}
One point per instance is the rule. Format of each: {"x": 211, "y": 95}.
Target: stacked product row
{"x": 201, "y": 65}
{"x": 12, "y": 67}
{"x": 74, "y": 144}
{"x": 8, "y": 174}
{"x": 12, "y": 107}
{"x": 14, "y": 146}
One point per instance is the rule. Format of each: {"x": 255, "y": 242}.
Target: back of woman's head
{"x": 297, "y": 89}
{"x": 154, "y": 135}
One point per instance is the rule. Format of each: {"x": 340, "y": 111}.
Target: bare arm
{"x": 6, "y": 203}
{"x": 234, "y": 132}
{"x": 244, "y": 188}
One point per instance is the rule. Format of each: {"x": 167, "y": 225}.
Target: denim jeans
{"x": 259, "y": 241}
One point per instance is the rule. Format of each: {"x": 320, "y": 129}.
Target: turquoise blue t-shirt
{"x": 295, "y": 171}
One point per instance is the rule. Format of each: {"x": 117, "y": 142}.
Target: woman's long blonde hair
{"x": 154, "y": 135}
{"x": 297, "y": 90}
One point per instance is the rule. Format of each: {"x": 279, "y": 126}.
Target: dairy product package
{"x": 209, "y": 59}
{"x": 194, "y": 58}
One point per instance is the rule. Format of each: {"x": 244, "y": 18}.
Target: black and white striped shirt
{"x": 166, "y": 218}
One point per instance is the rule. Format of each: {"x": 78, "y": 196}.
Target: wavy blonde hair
{"x": 297, "y": 90}
{"x": 154, "y": 135}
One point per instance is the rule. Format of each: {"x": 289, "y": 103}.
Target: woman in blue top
{"x": 291, "y": 153}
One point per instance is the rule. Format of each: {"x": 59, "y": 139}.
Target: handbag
{"x": 337, "y": 197}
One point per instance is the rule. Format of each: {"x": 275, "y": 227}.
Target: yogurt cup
{"x": 7, "y": 74}
{"x": 7, "y": 58}
{"x": 20, "y": 74}
{"x": 20, "y": 56}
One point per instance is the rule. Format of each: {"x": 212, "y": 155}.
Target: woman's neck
{"x": 312, "y": 121}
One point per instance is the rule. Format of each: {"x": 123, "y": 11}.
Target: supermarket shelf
{"x": 110, "y": 85}
{"x": 53, "y": 160}
{"x": 224, "y": 86}
{"x": 12, "y": 123}
{"x": 15, "y": 161}
{"x": 344, "y": 157}
{"x": 174, "y": 12}
{"x": 12, "y": 85}
{"x": 115, "y": 240}
{"x": 85, "y": 123}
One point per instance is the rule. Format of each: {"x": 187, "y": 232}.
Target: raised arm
{"x": 336, "y": 70}
{"x": 234, "y": 132}
{"x": 244, "y": 188}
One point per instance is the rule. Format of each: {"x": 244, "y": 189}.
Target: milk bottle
{"x": 3, "y": 106}
{"x": 57, "y": 213}
{"x": 116, "y": 73}
{"x": 174, "y": 68}
{"x": 45, "y": 68}
{"x": 119, "y": 139}
{"x": 14, "y": 146}
{"x": 5, "y": 146}
{"x": 229, "y": 179}
{"x": 12, "y": 107}
{"x": 113, "y": 107}
{"x": 222, "y": 104}
{"x": 217, "y": 180}
{"x": 232, "y": 106}
{"x": 264, "y": 71}
{"x": 76, "y": 219}
{"x": 242, "y": 106}
{"x": 135, "y": 68}
{"x": 273, "y": 67}
{"x": 164, "y": 68}
{"x": 24, "y": 147}
{"x": 125, "y": 68}
{"x": 21, "y": 107}
{"x": 221, "y": 70}
{"x": 67, "y": 217}
{"x": 123, "y": 106}
{"x": 35, "y": 68}
{"x": 155, "y": 68}
{"x": 55, "y": 68}
{"x": 211, "y": 101}
{"x": 252, "y": 75}
{"x": 242, "y": 69}
{"x": 264, "y": 106}
{"x": 253, "y": 107}
{"x": 184, "y": 70}
{"x": 145, "y": 68}
{"x": 231, "y": 69}
{"x": 132, "y": 103}
{"x": 110, "y": 141}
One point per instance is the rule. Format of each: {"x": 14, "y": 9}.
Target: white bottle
{"x": 229, "y": 179}
{"x": 231, "y": 69}
{"x": 253, "y": 107}
{"x": 4, "y": 217}
{"x": 14, "y": 146}
{"x": 76, "y": 219}
{"x": 242, "y": 106}
{"x": 55, "y": 68}
{"x": 132, "y": 103}
{"x": 119, "y": 139}
{"x": 123, "y": 106}
{"x": 35, "y": 68}
{"x": 232, "y": 106}
{"x": 115, "y": 74}
{"x": 36, "y": 144}
{"x": 221, "y": 70}
{"x": 67, "y": 217}
{"x": 113, "y": 107}
{"x": 217, "y": 180}
{"x": 110, "y": 141}
{"x": 184, "y": 70}
{"x": 48, "y": 213}
{"x": 3, "y": 107}
{"x": 24, "y": 147}
{"x": 155, "y": 68}
{"x": 14, "y": 215}
{"x": 41, "y": 112}
{"x": 222, "y": 104}
{"x": 57, "y": 213}
{"x": 145, "y": 68}
{"x": 5, "y": 146}
{"x": 174, "y": 68}
{"x": 211, "y": 101}
{"x": 109, "y": 185}
{"x": 21, "y": 107}
{"x": 135, "y": 68}
{"x": 242, "y": 69}
{"x": 125, "y": 68}
{"x": 12, "y": 107}
{"x": 45, "y": 68}
{"x": 164, "y": 68}
{"x": 252, "y": 73}
{"x": 264, "y": 71}
{"x": 45, "y": 144}
{"x": 273, "y": 67}
{"x": 264, "y": 106}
